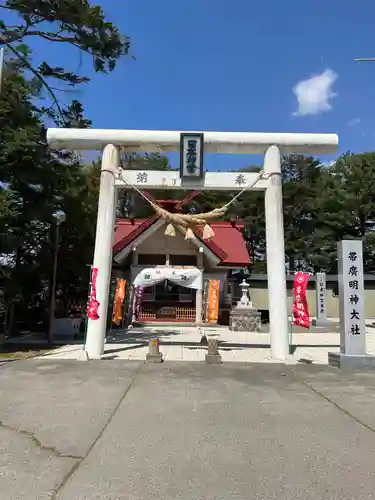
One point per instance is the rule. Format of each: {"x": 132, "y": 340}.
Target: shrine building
{"x": 170, "y": 268}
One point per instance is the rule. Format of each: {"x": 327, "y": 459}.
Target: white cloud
{"x": 328, "y": 163}
{"x": 353, "y": 122}
{"x": 315, "y": 93}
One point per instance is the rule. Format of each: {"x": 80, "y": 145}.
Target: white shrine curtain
{"x": 188, "y": 277}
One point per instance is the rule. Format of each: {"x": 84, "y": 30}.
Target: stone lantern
{"x": 244, "y": 317}
{"x": 245, "y": 299}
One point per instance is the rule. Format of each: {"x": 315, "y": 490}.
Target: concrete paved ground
{"x": 116, "y": 430}
{"x": 182, "y": 344}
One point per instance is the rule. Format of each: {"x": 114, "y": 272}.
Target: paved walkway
{"x": 115, "y": 430}
{"x": 182, "y": 344}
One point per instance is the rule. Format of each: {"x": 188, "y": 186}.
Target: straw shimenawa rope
{"x": 189, "y": 221}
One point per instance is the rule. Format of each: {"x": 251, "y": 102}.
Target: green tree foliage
{"x": 76, "y": 23}
{"x": 35, "y": 182}
{"x": 322, "y": 205}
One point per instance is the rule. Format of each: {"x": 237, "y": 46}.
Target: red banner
{"x": 300, "y": 307}
{"x": 92, "y": 310}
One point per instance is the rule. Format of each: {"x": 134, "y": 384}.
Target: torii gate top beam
{"x": 160, "y": 141}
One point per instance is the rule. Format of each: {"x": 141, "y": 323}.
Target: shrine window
{"x": 151, "y": 260}
{"x": 183, "y": 260}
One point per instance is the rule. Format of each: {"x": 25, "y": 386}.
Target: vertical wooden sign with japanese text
{"x": 351, "y": 290}
{"x": 213, "y": 301}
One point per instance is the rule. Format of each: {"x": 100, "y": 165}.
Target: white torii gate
{"x": 269, "y": 144}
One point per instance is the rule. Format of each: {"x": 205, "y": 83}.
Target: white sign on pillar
{"x": 351, "y": 290}
{"x": 321, "y": 292}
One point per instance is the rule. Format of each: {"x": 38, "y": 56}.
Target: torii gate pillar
{"x": 96, "y": 329}
{"x": 277, "y": 295}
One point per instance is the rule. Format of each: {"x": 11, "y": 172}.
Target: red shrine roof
{"x": 227, "y": 244}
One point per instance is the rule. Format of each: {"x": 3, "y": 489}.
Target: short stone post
{"x": 154, "y": 355}
{"x": 213, "y": 355}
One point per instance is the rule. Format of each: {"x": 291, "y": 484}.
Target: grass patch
{"x": 23, "y": 354}
{"x": 23, "y": 351}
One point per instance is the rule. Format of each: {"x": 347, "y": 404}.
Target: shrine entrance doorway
{"x": 167, "y": 302}
{"x": 167, "y": 294}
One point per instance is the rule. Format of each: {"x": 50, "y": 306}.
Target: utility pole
{"x": 59, "y": 219}
{"x": 1, "y": 68}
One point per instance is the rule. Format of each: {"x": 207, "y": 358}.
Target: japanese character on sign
{"x": 354, "y": 299}
{"x": 142, "y": 178}
{"x": 352, "y": 256}
{"x": 191, "y": 156}
{"x": 240, "y": 180}
{"x": 354, "y": 314}
{"x": 354, "y": 330}
{"x": 353, "y": 271}
{"x": 353, "y": 284}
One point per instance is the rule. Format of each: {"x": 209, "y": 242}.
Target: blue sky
{"x": 236, "y": 66}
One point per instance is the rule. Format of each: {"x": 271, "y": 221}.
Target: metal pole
{"x": 365, "y": 59}
{"x": 52, "y": 305}
{"x": 1, "y": 68}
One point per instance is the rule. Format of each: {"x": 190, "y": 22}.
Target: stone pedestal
{"x": 154, "y": 355}
{"x": 213, "y": 356}
{"x": 83, "y": 356}
{"x": 245, "y": 319}
{"x": 351, "y": 361}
